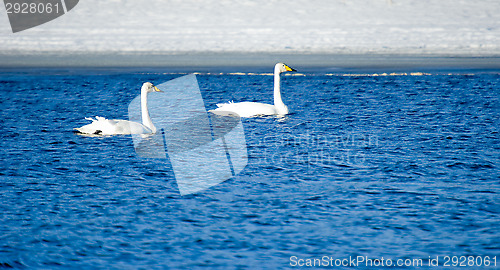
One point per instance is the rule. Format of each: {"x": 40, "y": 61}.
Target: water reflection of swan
{"x": 249, "y": 109}
{"x": 103, "y": 126}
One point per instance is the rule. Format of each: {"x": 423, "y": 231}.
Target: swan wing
{"x": 246, "y": 109}
{"x": 130, "y": 127}
{"x": 103, "y": 126}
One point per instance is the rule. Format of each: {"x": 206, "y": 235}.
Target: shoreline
{"x": 246, "y": 60}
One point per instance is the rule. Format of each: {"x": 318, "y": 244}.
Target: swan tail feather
{"x": 94, "y": 127}
{"x": 97, "y": 119}
{"x": 219, "y": 105}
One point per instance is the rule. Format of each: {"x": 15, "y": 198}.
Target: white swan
{"x": 249, "y": 109}
{"x": 103, "y": 126}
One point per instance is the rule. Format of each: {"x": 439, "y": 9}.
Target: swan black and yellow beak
{"x": 156, "y": 89}
{"x": 289, "y": 68}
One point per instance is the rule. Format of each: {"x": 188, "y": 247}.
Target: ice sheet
{"x": 322, "y": 26}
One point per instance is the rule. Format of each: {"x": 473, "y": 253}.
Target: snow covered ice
{"x": 447, "y": 27}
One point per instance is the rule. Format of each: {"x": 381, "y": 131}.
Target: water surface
{"x": 400, "y": 166}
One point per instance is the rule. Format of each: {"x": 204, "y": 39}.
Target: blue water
{"x": 399, "y": 167}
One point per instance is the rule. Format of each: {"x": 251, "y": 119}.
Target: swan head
{"x": 281, "y": 67}
{"x": 149, "y": 87}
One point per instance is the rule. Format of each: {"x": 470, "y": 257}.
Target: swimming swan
{"x": 103, "y": 126}
{"x": 249, "y": 109}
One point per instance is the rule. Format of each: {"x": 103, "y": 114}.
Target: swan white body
{"x": 103, "y": 126}
{"x": 250, "y": 109}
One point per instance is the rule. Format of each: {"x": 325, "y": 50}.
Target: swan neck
{"x": 277, "y": 86}
{"x": 278, "y": 102}
{"x": 146, "y": 120}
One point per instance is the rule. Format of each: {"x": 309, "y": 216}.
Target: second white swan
{"x": 103, "y": 126}
{"x": 250, "y": 109}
